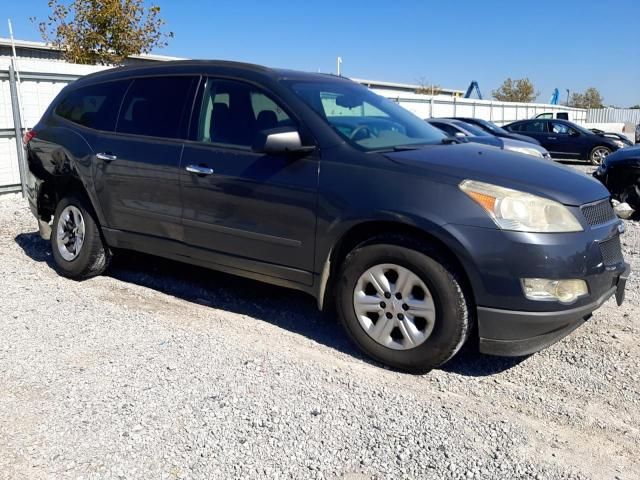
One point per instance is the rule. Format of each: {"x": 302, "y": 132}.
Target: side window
{"x": 533, "y": 127}
{"x": 93, "y": 106}
{"x": 233, "y": 113}
{"x": 545, "y": 115}
{"x": 515, "y": 128}
{"x": 157, "y": 107}
{"x": 450, "y": 130}
{"x": 561, "y": 128}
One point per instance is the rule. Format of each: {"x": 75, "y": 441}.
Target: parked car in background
{"x": 313, "y": 182}
{"x": 620, "y": 173}
{"x": 495, "y": 130}
{"x": 565, "y": 139}
{"x": 556, "y": 115}
{"x": 617, "y": 128}
{"x": 638, "y": 133}
{"x": 472, "y": 133}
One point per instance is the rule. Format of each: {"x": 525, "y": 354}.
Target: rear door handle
{"x": 106, "y": 157}
{"x": 199, "y": 170}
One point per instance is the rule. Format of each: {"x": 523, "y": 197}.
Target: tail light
{"x": 28, "y": 136}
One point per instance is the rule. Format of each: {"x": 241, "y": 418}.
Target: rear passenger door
{"x": 137, "y": 166}
{"x": 245, "y": 209}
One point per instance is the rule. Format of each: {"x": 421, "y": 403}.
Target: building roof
{"x": 403, "y": 87}
{"x": 34, "y": 45}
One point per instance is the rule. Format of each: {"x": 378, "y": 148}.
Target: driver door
{"x": 565, "y": 141}
{"x": 250, "y": 210}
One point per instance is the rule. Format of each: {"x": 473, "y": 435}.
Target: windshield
{"x": 575, "y": 126}
{"x": 473, "y": 130}
{"x": 363, "y": 118}
{"x": 492, "y": 127}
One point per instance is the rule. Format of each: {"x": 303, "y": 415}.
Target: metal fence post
{"x": 17, "y": 126}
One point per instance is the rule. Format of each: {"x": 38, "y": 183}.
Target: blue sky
{"x": 566, "y": 44}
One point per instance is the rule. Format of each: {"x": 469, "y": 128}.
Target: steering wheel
{"x": 362, "y": 128}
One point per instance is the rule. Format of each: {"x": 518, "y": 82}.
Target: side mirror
{"x": 574, "y": 133}
{"x": 280, "y": 141}
{"x": 460, "y": 135}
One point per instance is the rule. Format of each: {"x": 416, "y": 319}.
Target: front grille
{"x": 598, "y": 213}
{"x": 611, "y": 251}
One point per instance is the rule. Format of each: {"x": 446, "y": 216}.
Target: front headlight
{"x": 520, "y": 211}
{"x": 526, "y": 151}
{"x": 619, "y": 143}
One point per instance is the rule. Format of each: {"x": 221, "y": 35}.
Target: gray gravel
{"x": 159, "y": 370}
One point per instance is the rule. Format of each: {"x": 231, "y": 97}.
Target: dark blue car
{"x": 313, "y": 182}
{"x": 565, "y": 139}
{"x": 620, "y": 173}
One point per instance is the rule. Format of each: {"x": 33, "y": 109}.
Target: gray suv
{"x": 309, "y": 181}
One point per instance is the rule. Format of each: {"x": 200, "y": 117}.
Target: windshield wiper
{"x": 405, "y": 148}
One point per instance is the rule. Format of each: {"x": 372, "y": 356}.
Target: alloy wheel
{"x": 599, "y": 154}
{"x": 394, "y": 306}
{"x": 70, "y": 233}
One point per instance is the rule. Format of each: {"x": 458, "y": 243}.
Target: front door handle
{"x": 552, "y": 138}
{"x": 106, "y": 157}
{"x": 199, "y": 170}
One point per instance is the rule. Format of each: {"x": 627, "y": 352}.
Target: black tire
{"x": 454, "y": 306}
{"x": 94, "y": 256}
{"x": 593, "y": 157}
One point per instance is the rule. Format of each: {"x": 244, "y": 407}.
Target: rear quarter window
{"x": 94, "y": 106}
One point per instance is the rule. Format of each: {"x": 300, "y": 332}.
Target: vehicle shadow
{"x": 469, "y": 362}
{"x": 288, "y": 309}
{"x": 583, "y": 163}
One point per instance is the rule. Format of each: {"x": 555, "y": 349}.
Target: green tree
{"x": 591, "y": 98}
{"x": 103, "y": 32}
{"x": 519, "y": 90}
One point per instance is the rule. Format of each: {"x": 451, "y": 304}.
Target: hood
{"x": 527, "y": 173}
{"x": 522, "y": 138}
{"x": 492, "y": 141}
{"x": 510, "y": 142}
{"x": 624, "y": 155}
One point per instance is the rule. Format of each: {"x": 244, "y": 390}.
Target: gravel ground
{"x": 160, "y": 370}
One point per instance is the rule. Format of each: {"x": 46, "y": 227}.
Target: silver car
{"x": 471, "y": 133}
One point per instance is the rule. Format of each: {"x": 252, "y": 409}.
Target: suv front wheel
{"x": 403, "y": 304}
{"x": 78, "y": 249}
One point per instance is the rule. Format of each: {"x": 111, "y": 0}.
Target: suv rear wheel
{"x": 78, "y": 249}
{"x": 403, "y": 304}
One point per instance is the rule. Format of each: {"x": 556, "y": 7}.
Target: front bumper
{"x": 517, "y": 333}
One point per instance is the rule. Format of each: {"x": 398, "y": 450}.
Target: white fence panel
{"x": 614, "y": 115}
{"x": 6, "y": 115}
{"x": 9, "y": 170}
{"x": 426, "y": 106}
